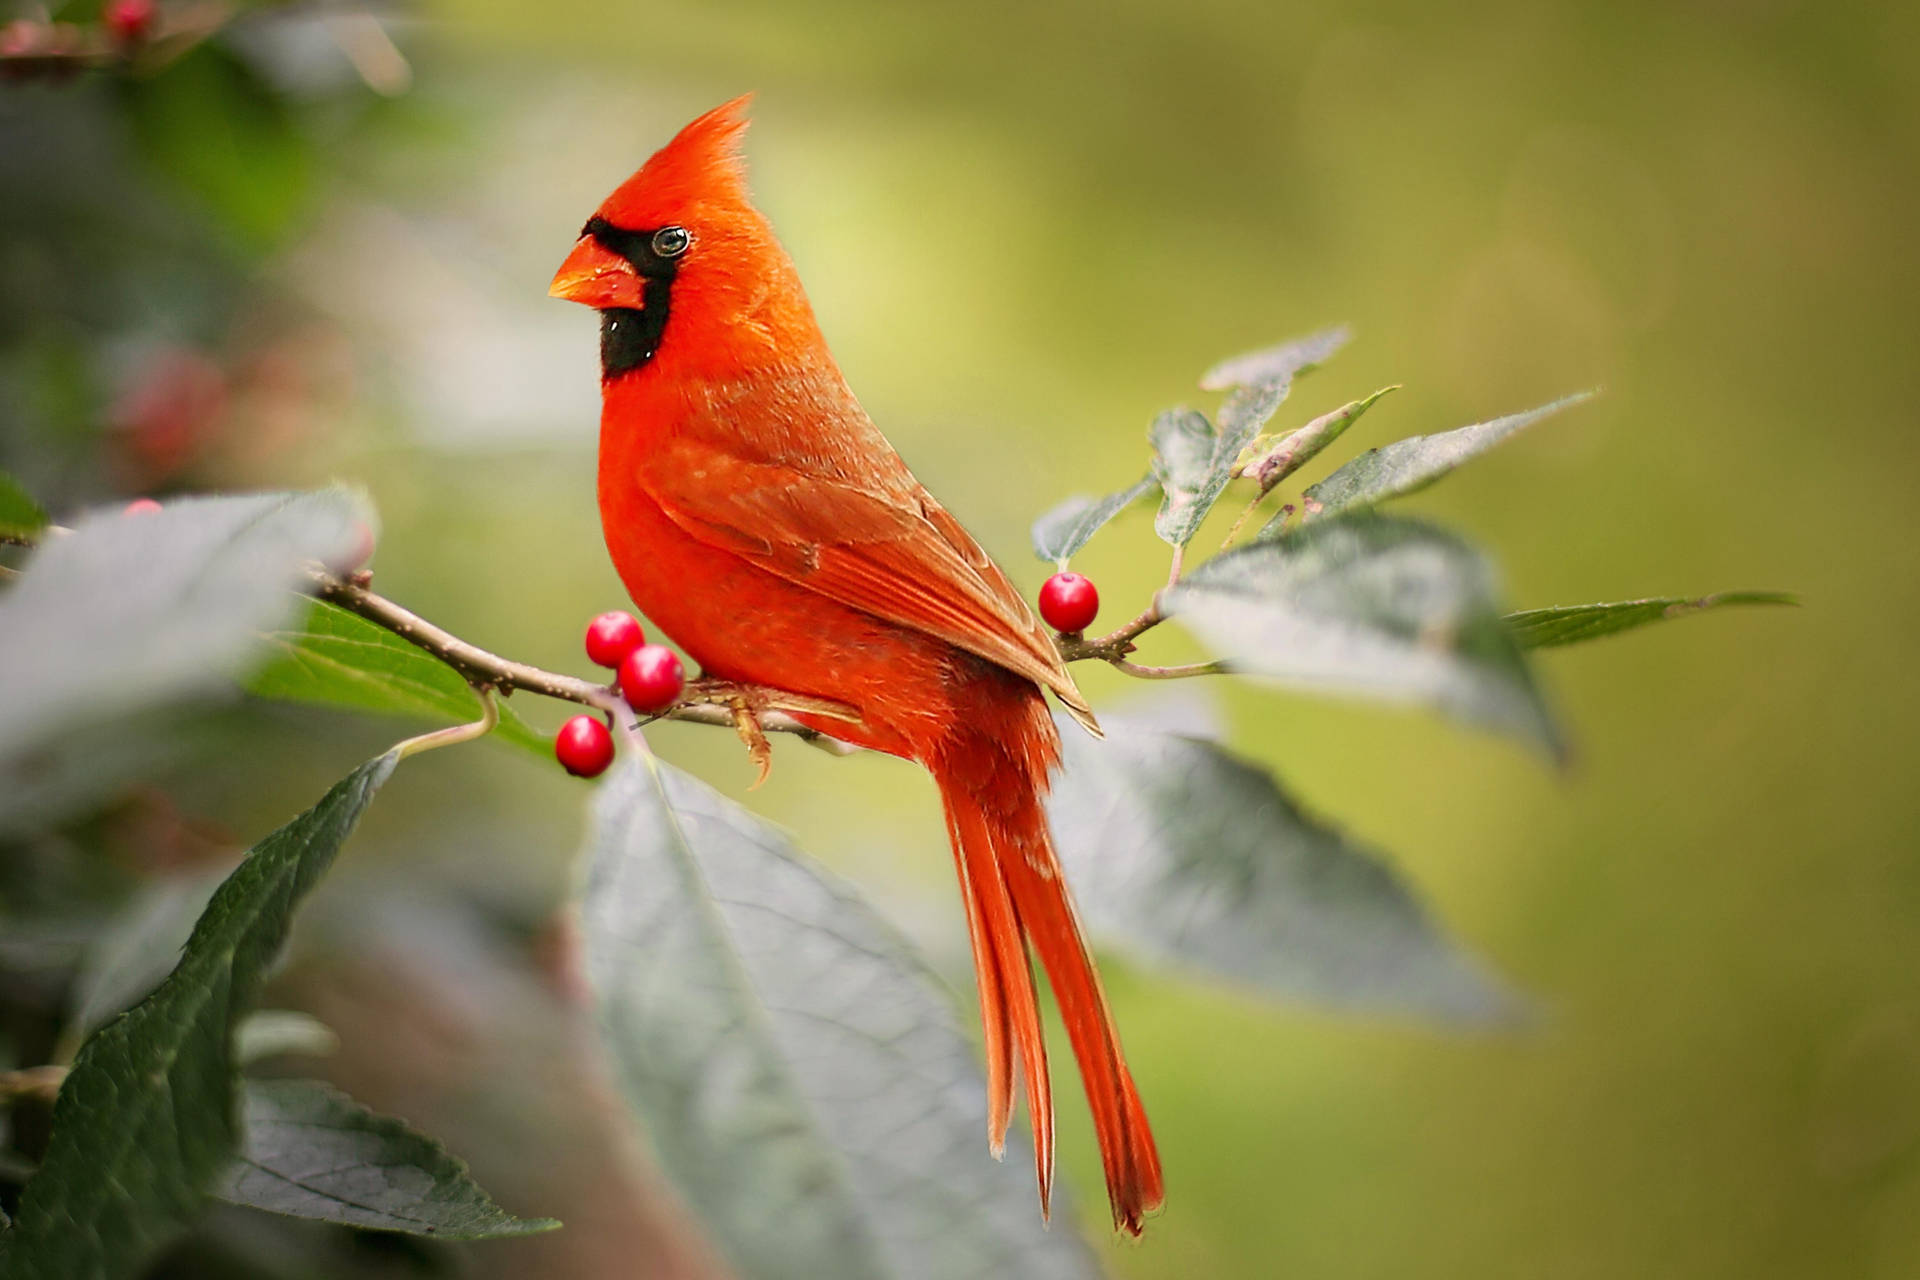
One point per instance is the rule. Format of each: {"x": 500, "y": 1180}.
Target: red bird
{"x": 762, "y": 521}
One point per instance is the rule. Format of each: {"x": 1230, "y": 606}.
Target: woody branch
{"x": 707, "y": 701}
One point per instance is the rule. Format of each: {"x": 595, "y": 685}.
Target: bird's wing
{"x": 881, "y": 546}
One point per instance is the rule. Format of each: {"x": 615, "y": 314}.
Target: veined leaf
{"x": 1282, "y": 362}
{"x": 1407, "y": 465}
{"x": 20, "y": 516}
{"x": 1375, "y": 606}
{"x": 1178, "y": 850}
{"x": 1271, "y": 459}
{"x": 312, "y": 1152}
{"x": 146, "y": 1120}
{"x": 337, "y": 658}
{"x": 129, "y": 612}
{"x": 803, "y": 1080}
{"x": 1065, "y": 529}
{"x": 1572, "y": 623}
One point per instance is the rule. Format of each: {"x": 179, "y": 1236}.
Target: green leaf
{"x": 803, "y": 1080}
{"x": 1192, "y": 856}
{"x": 130, "y": 612}
{"x": 1277, "y": 363}
{"x": 20, "y": 516}
{"x": 1068, "y": 527}
{"x": 1193, "y": 462}
{"x": 1572, "y": 623}
{"x": 1271, "y": 459}
{"x": 145, "y": 1122}
{"x": 1407, "y": 465}
{"x": 312, "y": 1152}
{"x": 1374, "y": 606}
{"x": 339, "y": 659}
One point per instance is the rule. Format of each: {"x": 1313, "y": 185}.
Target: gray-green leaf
{"x": 1276, "y": 363}
{"x": 1407, "y": 465}
{"x": 312, "y": 1152}
{"x": 1375, "y": 606}
{"x": 1065, "y": 529}
{"x": 802, "y": 1078}
{"x": 129, "y": 612}
{"x": 1181, "y": 851}
{"x": 1572, "y": 623}
{"x": 1193, "y": 463}
{"x": 20, "y": 516}
{"x": 339, "y": 659}
{"x": 145, "y": 1122}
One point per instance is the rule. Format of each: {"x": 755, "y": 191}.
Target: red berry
{"x": 1069, "y": 602}
{"x": 130, "y": 21}
{"x": 140, "y": 507}
{"x": 612, "y": 636}
{"x": 651, "y": 678}
{"x": 583, "y": 747}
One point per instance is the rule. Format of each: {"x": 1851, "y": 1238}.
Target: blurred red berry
{"x": 140, "y": 507}
{"x": 583, "y": 747}
{"x": 130, "y": 22}
{"x": 651, "y": 678}
{"x": 612, "y": 636}
{"x": 1069, "y": 602}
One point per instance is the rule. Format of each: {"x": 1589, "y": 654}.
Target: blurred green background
{"x": 301, "y": 253}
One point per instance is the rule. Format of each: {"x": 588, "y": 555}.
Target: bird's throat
{"x": 629, "y": 337}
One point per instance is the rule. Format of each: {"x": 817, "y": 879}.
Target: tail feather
{"x": 1009, "y": 1001}
{"x": 1015, "y": 894}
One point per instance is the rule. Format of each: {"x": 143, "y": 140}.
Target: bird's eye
{"x": 671, "y": 242}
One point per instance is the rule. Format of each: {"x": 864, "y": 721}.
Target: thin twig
{"x": 712, "y": 701}
{"x": 1213, "y": 668}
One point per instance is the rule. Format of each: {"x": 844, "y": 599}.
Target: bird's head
{"x": 676, "y": 247}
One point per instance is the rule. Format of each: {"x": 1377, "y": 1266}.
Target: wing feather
{"x": 884, "y": 547}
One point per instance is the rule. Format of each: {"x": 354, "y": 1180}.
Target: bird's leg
{"x": 746, "y": 723}
{"x": 744, "y": 704}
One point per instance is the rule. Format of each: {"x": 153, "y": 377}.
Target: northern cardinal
{"x": 758, "y": 516}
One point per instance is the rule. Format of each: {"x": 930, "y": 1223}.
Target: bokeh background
{"x": 317, "y": 247}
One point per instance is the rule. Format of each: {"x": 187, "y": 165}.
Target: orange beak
{"x": 596, "y": 276}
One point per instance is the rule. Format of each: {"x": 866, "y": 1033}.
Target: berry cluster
{"x": 650, "y": 678}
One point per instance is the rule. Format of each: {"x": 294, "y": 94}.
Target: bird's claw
{"x": 746, "y": 723}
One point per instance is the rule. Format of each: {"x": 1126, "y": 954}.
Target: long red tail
{"x": 1015, "y": 894}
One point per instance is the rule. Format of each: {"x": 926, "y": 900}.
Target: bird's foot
{"x": 745, "y": 704}
{"x": 746, "y": 723}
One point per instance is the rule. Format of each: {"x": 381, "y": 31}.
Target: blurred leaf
{"x": 802, "y": 1078}
{"x": 312, "y": 1152}
{"x": 128, "y": 612}
{"x": 1068, "y": 527}
{"x": 340, "y": 659}
{"x": 20, "y": 516}
{"x": 1370, "y": 605}
{"x": 1572, "y": 623}
{"x": 145, "y": 1122}
{"x": 1407, "y": 465}
{"x": 139, "y": 948}
{"x": 271, "y": 1033}
{"x": 1193, "y": 463}
{"x": 1179, "y": 850}
{"x": 1276, "y": 363}
{"x": 212, "y": 127}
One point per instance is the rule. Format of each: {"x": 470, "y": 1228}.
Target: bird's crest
{"x": 702, "y": 166}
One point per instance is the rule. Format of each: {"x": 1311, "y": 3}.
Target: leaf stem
{"x": 454, "y": 734}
